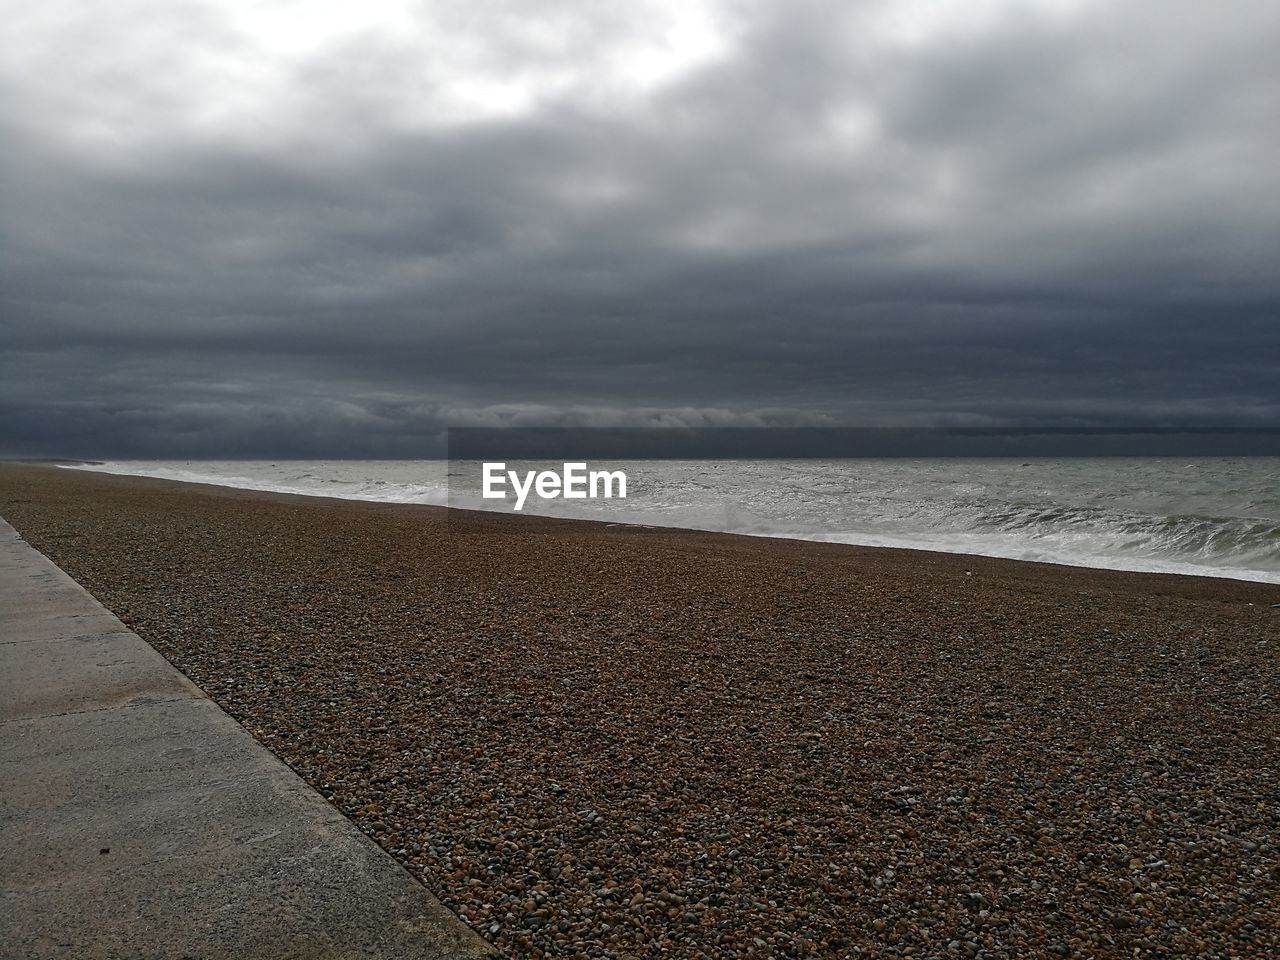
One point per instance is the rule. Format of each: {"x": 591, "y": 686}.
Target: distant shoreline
{"x": 921, "y": 542}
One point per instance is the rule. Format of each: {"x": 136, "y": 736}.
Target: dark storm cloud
{"x": 228, "y": 231}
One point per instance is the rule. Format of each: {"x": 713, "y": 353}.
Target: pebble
{"x": 615, "y": 742}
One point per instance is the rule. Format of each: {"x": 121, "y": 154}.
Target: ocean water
{"x": 1203, "y": 516}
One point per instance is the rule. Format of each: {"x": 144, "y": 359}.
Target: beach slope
{"x": 138, "y": 820}
{"x": 613, "y": 741}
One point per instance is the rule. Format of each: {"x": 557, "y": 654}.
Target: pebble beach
{"x": 596, "y": 740}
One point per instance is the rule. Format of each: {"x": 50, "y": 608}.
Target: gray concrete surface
{"x": 137, "y": 820}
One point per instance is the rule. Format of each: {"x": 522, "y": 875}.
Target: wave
{"x": 306, "y": 483}
{"x": 1255, "y": 559}
{"x": 1190, "y": 538}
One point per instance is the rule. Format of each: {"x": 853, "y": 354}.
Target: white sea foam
{"x": 1208, "y": 517}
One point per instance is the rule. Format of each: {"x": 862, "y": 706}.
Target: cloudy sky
{"x": 330, "y": 228}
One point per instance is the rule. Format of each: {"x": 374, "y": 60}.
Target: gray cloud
{"x": 230, "y": 231}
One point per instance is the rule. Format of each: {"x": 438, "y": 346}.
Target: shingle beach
{"x": 611, "y": 741}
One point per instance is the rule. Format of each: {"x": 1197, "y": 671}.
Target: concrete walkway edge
{"x": 138, "y": 820}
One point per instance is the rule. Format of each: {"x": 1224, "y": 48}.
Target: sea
{"x": 1199, "y": 516}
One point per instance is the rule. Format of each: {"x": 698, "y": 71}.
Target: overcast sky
{"x": 330, "y": 228}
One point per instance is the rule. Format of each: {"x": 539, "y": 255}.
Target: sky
{"x": 333, "y": 229}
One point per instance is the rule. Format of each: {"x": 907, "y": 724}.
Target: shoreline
{"x": 1243, "y": 575}
{"x": 642, "y": 742}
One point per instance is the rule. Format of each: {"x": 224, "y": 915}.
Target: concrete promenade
{"x": 137, "y": 820}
